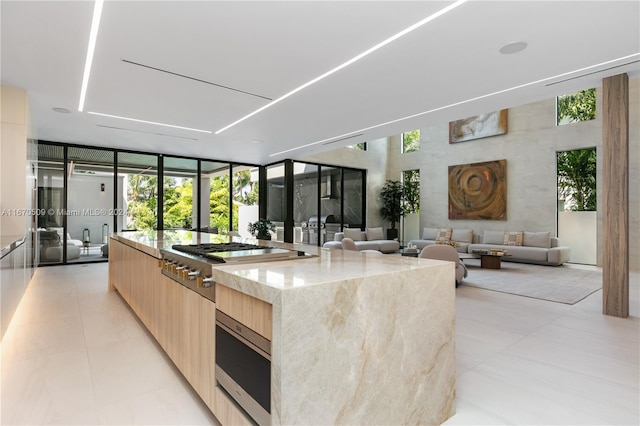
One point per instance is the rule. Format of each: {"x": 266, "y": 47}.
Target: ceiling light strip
{"x": 499, "y": 92}
{"x": 93, "y": 36}
{"x": 149, "y": 122}
{"x": 349, "y": 62}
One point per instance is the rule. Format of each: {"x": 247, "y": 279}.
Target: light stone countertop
{"x": 265, "y": 280}
{"x": 358, "y": 338}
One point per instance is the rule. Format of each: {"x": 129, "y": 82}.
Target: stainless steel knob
{"x": 207, "y": 282}
{"x": 191, "y": 275}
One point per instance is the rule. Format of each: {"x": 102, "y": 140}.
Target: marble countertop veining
{"x": 266, "y": 280}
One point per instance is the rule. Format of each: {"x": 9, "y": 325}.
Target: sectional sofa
{"x": 371, "y": 239}
{"x": 525, "y": 247}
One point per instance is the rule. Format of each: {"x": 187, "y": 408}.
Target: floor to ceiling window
{"x": 139, "y": 196}
{"x": 178, "y": 209}
{"x": 214, "y": 190}
{"x": 52, "y": 240}
{"x": 90, "y": 191}
{"x": 245, "y": 187}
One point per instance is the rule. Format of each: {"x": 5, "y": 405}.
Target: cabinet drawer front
{"x": 254, "y": 313}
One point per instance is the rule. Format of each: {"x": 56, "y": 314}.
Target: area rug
{"x": 562, "y": 284}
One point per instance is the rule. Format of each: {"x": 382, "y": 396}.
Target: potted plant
{"x": 260, "y": 229}
{"x": 392, "y": 208}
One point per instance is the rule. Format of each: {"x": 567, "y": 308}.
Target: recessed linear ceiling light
{"x": 459, "y": 103}
{"x": 511, "y": 48}
{"x": 93, "y": 36}
{"x": 149, "y": 122}
{"x": 350, "y": 61}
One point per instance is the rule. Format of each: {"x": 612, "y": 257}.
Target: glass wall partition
{"x": 354, "y": 198}
{"x": 330, "y": 202}
{"x": 90, "y": 191}
{"x": 306, "y": 224}
{"x": 139, "y": 197}
{"x": 52, "y": 239}
{"x": 276, "y": 203}
{"x": 214, "y": 190}
{"x": 245, "y": 198}
{"x": 179, "y": 206}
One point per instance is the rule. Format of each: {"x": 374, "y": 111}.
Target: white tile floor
{"x": 75, "y": 354}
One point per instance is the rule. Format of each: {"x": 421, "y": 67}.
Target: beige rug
{"x": 562, "y": 284}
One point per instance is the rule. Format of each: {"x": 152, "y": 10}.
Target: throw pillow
{"x": 537, "y": 239}
{"x": 493, "y": 237}
{"x": 444, "y": 234}
{"x": 354, "y": 233}
{"x": 375, "y": 234}
{"x": 462, "y": 235}
{"x": 513, "y": 238}
{"x": 429, "y": 233}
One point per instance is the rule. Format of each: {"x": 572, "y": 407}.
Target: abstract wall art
{"x": 479, "y": 126}
{"x": 478, "y": 191}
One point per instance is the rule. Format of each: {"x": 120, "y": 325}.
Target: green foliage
{"x": 219, "y": 204}
{"x": 260, "y": 229}
{"x": 579, "y": 106}
{"x": 142, "y": 213}
{"x": 391, "y": 198}
{"x": 244, "y": 190}
{"x": 577, "y": 178}
{"x": 178, "y": 203}
{"x": 411, "y": 199}
{"x": 411, "y": 141}
{"x": 362, "y": 146}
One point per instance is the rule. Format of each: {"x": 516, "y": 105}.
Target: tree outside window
{"x": 580, "y": 106}
{"x": 411, "y": 183}
{"x": 359, "y": 146}
{"x": 411, "y": 141}
{"x": 577, "y": 179}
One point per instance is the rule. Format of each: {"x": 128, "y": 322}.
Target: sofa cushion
{"x": 513, "y": 238}
{"x": 355, "y": 234}
{"x": 429, "y": 233}
{"x": 444, "y": 234}
{"x": 537, "y": 239}
{"x": 462, "y": 235}
{"x": 375, "y": 234}
{"x": 493, "y": 237}
{"x": 388, "y": 246}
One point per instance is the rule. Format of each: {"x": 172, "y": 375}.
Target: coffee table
{"x": 410, "y": 252}
{"x": 487, "y": 260}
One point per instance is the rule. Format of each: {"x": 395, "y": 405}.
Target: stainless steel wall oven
{"x": 243, "y": 367}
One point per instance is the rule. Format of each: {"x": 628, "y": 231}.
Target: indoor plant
{"x": 260, "y": 229}
{"x": 392, "y": 208}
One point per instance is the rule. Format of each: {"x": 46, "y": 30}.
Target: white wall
{"x": 529, "y": 147}
{"x": 84, "y": 196}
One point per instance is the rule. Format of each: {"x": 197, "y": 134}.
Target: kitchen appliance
{"x": 323, "y": 228}
{"x": 243, "y": 367}
{"x": 191, "y": 264}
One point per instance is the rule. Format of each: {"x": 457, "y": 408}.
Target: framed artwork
{"x": 479, "y": 126}
{"x": 478, "y": 191}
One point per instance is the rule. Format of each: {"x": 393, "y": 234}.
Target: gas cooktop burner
{"x": 204, "y": 249}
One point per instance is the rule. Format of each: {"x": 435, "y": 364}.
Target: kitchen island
{"x": 356, "y": 338}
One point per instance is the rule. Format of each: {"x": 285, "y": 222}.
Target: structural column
{"x": 615, "y": 143}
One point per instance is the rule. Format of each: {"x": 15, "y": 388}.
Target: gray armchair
{"x": 448, "y": 253}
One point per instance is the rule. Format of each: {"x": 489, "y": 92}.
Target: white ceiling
{"x": 269, "y": 48}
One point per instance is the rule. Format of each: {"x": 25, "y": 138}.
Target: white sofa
{"x": 524, "y": 247}
{"x": 371, "y": 239}
{"x": 462, "y": 238}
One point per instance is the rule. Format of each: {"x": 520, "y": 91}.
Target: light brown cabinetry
{"x": 252, "y": 312}
{"x": 182, "y": 321}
